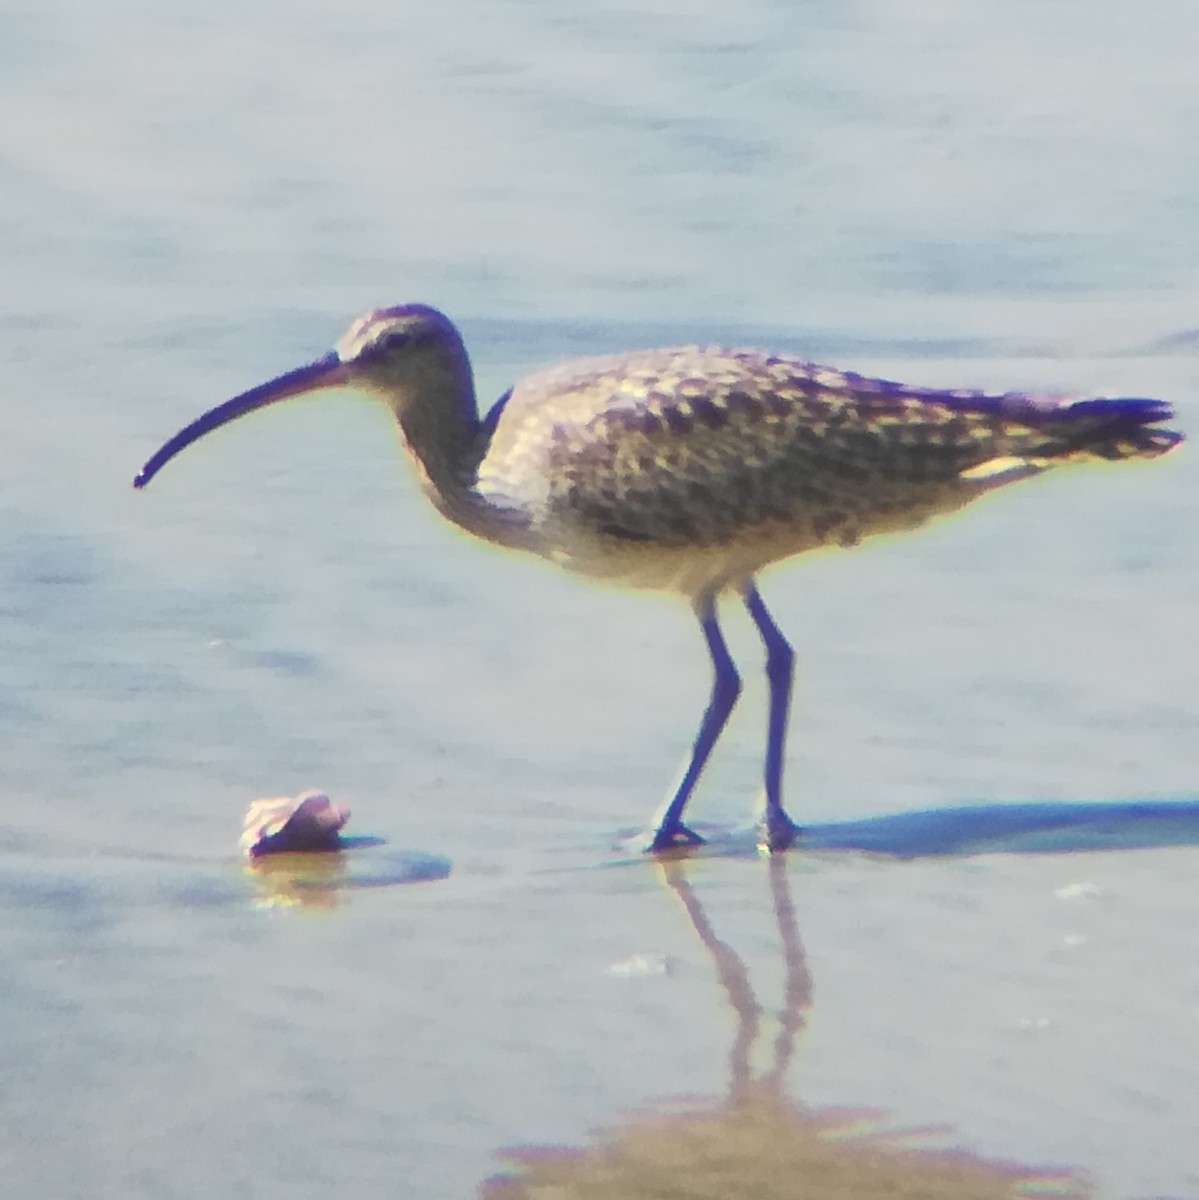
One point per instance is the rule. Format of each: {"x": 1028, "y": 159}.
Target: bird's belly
{"x": 688, "y": 571}
{"x": 692, "y": 571}
{"x": 699, "y": 569}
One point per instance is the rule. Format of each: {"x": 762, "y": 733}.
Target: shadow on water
{"x": 1048, "y": 827}
{"x": 323, "y": 880}
{"x": 755, "y": 1140}
{"x": 1034, "y": 828}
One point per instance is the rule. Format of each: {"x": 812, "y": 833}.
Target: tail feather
{"x": 1092, "y": 426}
{"x": 1142, "y": 408}
{"x": 1118, "y": 428}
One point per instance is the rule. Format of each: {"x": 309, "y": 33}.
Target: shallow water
{"x": 191, "y": 202}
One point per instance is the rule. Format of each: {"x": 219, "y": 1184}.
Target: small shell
{"x": 280, "y": 824}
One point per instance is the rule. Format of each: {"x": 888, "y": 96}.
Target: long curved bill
{"x": 328, "y": 371}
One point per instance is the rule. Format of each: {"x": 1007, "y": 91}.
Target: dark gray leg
{"x": 778, "y": 830}
{"x": 726, "y": 687}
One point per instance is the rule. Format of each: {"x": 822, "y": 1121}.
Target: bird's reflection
{"x": 756, "y": 1141}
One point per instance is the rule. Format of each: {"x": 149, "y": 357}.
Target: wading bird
{"x": 691, "y": 468}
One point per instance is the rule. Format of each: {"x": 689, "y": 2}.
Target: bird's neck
{"x": 438, "y": 423}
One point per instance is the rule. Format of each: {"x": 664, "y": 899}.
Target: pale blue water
{"x": 191, "y": 201}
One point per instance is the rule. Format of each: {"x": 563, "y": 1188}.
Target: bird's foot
{"x": 777, "y": 832}
{"x": 678, "y": 837}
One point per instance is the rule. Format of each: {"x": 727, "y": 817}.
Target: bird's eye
{"x": 392, "y": 339}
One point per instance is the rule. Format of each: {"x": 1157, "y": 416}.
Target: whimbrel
{"x": 691, "y": 468}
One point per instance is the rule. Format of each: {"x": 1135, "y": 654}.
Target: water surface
{"x": 994, "y": 195}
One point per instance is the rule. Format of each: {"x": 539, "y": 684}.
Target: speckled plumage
{"x": 690, "y": 468}
{"x": 719, "y": 461}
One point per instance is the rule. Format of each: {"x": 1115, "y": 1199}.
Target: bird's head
{"x": 387, "y": 352}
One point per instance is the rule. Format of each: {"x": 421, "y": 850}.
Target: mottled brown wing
{"x": 693, "y": 445}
